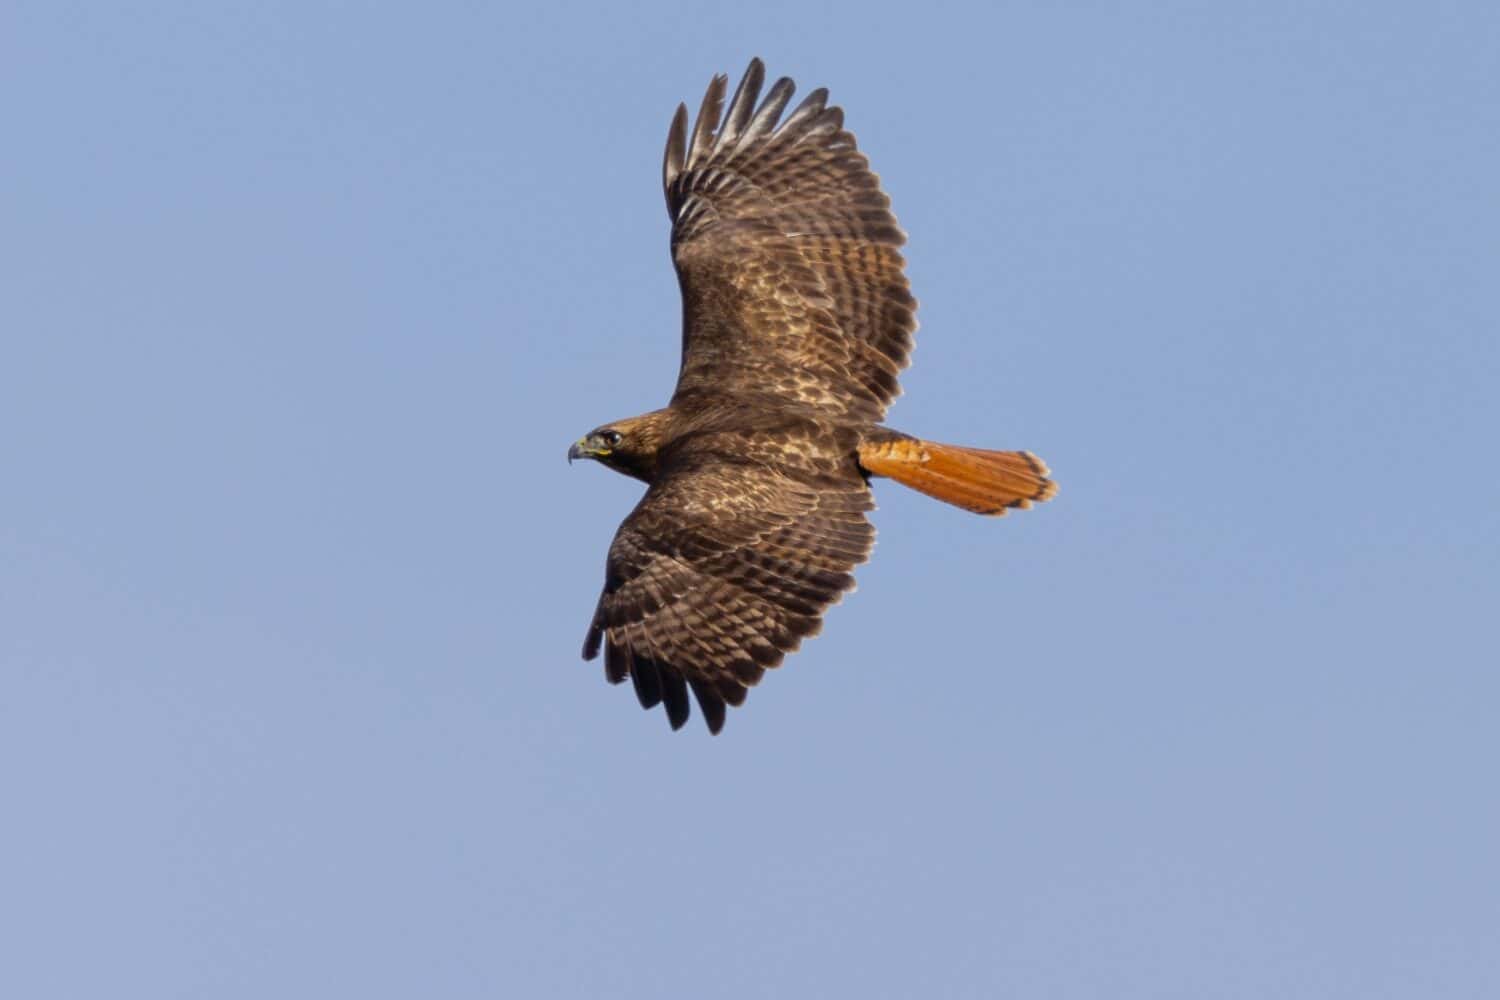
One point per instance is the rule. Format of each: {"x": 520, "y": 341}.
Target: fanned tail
{"x": 985, "y": 482}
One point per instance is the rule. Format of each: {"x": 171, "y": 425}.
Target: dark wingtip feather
{"x": 812, "y": 105}
{"x": 709, "y": 113}
{"x": 591, "y": 642}
{"x": 676, "y": 151}
{"x": 710, "y": 704}
{"x": 675, "y": 696}
{"x": 616, "y": 664}
{"x": 648, "y": 681}
{"x": 764, "y": 122}
{"x": 742, "y": 106}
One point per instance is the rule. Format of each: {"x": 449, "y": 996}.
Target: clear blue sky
{"x": 302, "y": 303}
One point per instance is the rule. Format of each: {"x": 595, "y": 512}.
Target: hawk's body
{"x": 797, "y": 318}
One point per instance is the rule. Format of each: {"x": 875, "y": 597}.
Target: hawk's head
{"x": 627, "y": 446}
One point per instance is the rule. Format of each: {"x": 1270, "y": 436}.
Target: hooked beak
{"x": 580, "y": 449}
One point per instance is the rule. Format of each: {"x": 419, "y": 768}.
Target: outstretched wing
{"x": 786, "y": 251}
{"x": 723, "y": 568}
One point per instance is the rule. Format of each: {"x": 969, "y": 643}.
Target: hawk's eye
{"x": 611, "y": 438}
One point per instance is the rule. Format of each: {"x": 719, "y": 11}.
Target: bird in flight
{"x": 797, "y": 318}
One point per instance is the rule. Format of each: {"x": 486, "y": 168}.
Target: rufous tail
{"x": 986, "y": 482}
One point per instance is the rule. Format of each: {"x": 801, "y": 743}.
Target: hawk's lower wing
{"x": 722, "y": 569}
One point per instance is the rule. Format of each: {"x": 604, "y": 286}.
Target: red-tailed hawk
{"x": 796, "y": 320}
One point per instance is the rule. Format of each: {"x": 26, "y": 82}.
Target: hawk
{"x": 796, "y": 319}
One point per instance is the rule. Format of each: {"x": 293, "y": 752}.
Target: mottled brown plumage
{"x": 797, "y": 319}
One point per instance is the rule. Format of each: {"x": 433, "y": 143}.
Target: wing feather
{"x": 787, "y": 254}
{"x": 676, "y": 151}
{"x": 742, "y": 105}
{"x": 764, "y": 122}
{"x": 647, "y": 678}
{"x": 708, "y": 119}
{"x": 616, "y": 660}
{"x": 812, "y": 105}
{"x": 710, "y": 703}
{"x": 723, "y": 568}
{"x": 674, "y": 692}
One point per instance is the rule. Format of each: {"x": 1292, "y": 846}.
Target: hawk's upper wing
{"x": 723, "y": 568}
{"x": 786, "y": 251}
